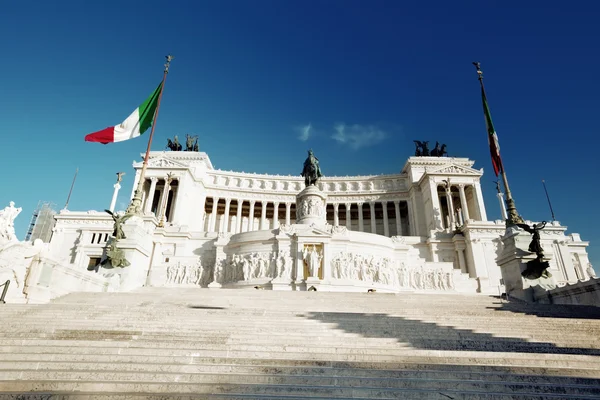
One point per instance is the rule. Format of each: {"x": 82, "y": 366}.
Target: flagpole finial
{"x": 168, "y": 63}
{"x": 478, "y": 66}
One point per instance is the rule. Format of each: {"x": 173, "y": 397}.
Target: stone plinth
{"x": 137, "y": 247}
{"x": 513, "y": 261}
{"x": 310, "y": 206}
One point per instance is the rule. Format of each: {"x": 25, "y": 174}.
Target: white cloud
{"x": 357, "y": 136}
{"x": 304, "y": 132}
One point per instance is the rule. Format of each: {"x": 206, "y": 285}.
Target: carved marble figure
{"x": 7, "y": 219}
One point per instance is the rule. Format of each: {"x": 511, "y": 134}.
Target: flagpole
{"x": 71, "y": 190}
{"x": 511, "y": 208}
{"x": 548, "y": 197}
{"x": 135, "y": 207}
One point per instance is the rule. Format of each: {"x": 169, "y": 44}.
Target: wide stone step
{"x": 276, "y": 385}
{"x": 430, "y": 371}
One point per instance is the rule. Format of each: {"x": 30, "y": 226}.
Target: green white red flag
{"x": 136, "y": 124}
{"x": 492, "y": 137}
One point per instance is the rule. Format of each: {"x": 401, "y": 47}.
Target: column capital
{"x": 360, "y": 203}
{"x": 288, "y": 203}
{"x": 383, "y": 202}
{"x": 153, "y": 179}
{"x": 397, "y": 202}
{"x": 461, "y": 185}
{"x": 117, "y": 186}
{"x": 276, "y": 203}
{"x": 336, "y": 206}
{"x": 227, "y": 200}
{"x": 252, "y": 202}
{"x": 348, "y": 205}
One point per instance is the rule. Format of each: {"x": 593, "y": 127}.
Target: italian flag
{"x": 492, "y": 137}
{"x": 137, "y": 123}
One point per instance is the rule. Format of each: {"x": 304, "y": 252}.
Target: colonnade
{"x": 455, "y": 207}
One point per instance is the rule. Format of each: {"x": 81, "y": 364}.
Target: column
{"x": 213, "y": 215}
{"x": 480, "y": 203}
{"x": 275, "y": 215}
{"x": 150, "y": 197}
{"x": 373, "y": 221}
{"x": 165, "y": 199}
{"x": 288, "y": 211}
{"x": 135, "y": 183}
{"x": 386, "y": 225}
{"x": 348, "y": 216}
{"x": 263, "y": 215}
{"x": 463, "y": 202}
{"x": 436, "y": 209}
{"x": 225, "y": 227}
{"x": 238, "y": 216}
{"x": 199, "y": 226}
{"x": 450, "y": 207}
{"x": 398, "y": 220}
{"x": 114, "y": 197}
{"x": 361, "y": 226}
{"x": 413, "y": 228}
{"x": 502, "y": 206}
{"x": 251, "y": 216}
{"x": 336, "y": 217}
{"x": 172, "y": 214}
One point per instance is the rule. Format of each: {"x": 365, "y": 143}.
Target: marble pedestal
{"x": 310, "y": 207}
{"x": 513, "y": 261}
{"x": 137, "y": 247}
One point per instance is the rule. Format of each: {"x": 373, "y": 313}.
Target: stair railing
{"x": 5, "y": 284}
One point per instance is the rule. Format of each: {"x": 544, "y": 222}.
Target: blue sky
{"x": 249, "y": 77}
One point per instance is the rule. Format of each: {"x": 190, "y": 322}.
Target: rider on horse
{"x": 311, "y": 171}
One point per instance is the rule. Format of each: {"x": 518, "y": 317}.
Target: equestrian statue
{"x": 311, "y": 171}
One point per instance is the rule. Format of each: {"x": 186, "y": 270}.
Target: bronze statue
{"x": 115, "y": 257}
{"x": 311, "y": 171}
{"x": 117, "y": 227}
{"x": 422, "y": 149}
{"x": 174, "y": 145}
{"x": 190, "y": 145}
{"x": 535, "y": 246}
{"x": 439, "y": 151}
{"x": 120, "y": 176}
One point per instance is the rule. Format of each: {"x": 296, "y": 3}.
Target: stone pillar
{"x": 413, "y": 229}
{"x": 251, "y": 216}
{"x": 463, "y": 202}
{"x": 348, "y": 216}
{"x": 165, "y": 198}
{"x": 225, "y": 227}
{"x": 199, "y": 226}
{"x": 238, "y": 216}
{"x": 150, "y": 197}
{"x": 480, "y": 203}
{"x": 450, "y": 207}
{"x": 435, "y": 205}
{"x": 213, "y": 215}
{"x": 373, "y": 221}
{"x": 136, "y": 180}
{"x": 275, "y": 215}
{"x": 114, "y": 197}
{"x": 174, "y": 203}
{"x": 263, "y": 215}
{"x": 336, "y": 217}
{"x": 288, "y": 212}
{"x": 398, "y": 220}
{"x": 361, "y": 226}
{"x": 502, "y": 206}
{"x": 386, "y": 223}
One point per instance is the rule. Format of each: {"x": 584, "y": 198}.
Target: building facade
{"x": 423, "y": 229}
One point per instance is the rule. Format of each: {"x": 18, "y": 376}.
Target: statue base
{"x": 137, "y": 248}
{"x": 310, "y": 206}
{"x": 521, "y": 269}
{"x": 282, "y": 284}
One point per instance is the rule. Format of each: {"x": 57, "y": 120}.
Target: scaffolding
{"x": 42, "y": 222}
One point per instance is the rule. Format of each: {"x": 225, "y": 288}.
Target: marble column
{"x": 288, "y": 212}
{"x": 113, "y": 201}
{"x": 238, "y": 216}
{"x": 200, "y": 225}
{"x": 502, "y": 206}
{"x": 263, "y": 215}
{"x": 373, "y": 221}
{"x": 436, "y": 211}
{"x": 336, "y": 217}
{"x": 463, "y": 202}
{"x": 450, "y": 208}
{"x": 348, "y": 216}
{"x": 275, "y": 215}
{"x": 398, "y": 220}
{"x": 361, "y": 226}
{"x": 225, "y": 227}
{"x": 480, "y": 203}
{"x": 386, "y": 223}
{"x": 136, "y": 180}
{"x": 165, "y": 198}
{"x": 251, "y": 216}
{"x": 150, "y": 197}
{"x": 213, "y": 215}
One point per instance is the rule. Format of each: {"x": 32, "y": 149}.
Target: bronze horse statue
{"x": 422, "y": 150}
{"x": 439, "y": 151}
{"x": 173, "y": 145}
{"x": 311, "y": 171}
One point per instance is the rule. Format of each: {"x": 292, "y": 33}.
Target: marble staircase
{"x": 258, "y": 344}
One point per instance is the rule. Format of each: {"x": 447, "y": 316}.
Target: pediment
{"x": 453, "y": 169}
{"x": 163, "y": 162}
